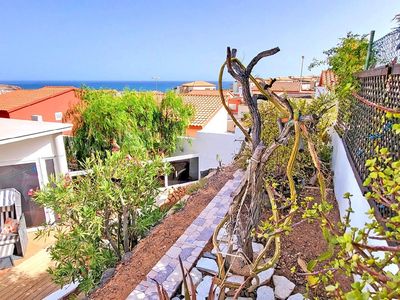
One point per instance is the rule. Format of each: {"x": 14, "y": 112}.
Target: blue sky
{"x": 175, "y": 40}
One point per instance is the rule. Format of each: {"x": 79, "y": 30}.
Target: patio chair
{"x": 10, "y": 207}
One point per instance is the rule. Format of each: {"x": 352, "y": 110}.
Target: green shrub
{"x": 139, "y": 123}
{"x": 101, "y": 215}
{"x": 323, "y": 106}
{"x": 372, "y": 252}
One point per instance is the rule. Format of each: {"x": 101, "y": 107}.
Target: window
{"x": 233, "y": 106}
{"x": 58, "y": 116}
{"x": 183, "y": 171}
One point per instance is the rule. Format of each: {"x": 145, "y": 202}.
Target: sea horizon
{"x": 144, "y": 85}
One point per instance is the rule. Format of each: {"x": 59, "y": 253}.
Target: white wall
{"x": 31, "y": 150}
{"x": 344, "y": 181}
{"x": 202, "y": 88}
{"x": 36, "y": 150}
{"x": 218, "y": 123}
{"x": 208, "y": 145}
{"x": 26, "y": 151}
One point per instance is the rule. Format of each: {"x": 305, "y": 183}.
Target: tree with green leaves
{"x": 345, "y": 60}
{"x": 136, "y": 122}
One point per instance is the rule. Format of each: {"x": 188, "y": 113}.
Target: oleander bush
{"x": 101, "y": 215}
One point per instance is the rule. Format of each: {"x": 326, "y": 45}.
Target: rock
{"x": 203, "y": 288}
{"x": 196, "y": 276}
{"x": 235, "y": 279}
{"x": 209, "y": 255}
{"x": 107, "y": 274}
{"x": 297, "y": 296}
{"x": 223, "y": 247}
{"x": 176, "y": 298}
{"x": 257, "y": 247}
{"x": 265, "y": 293}
{"x": 283, "y": 286}
{"x": 222, "y": 235}
{"x": 264, "y": 276}
{"x": 239, "y": 298}
{"x": 126, "y": 257}
{"x": 207, "y": 265}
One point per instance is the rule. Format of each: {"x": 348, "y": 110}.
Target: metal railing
{"x": 362, "y": 121}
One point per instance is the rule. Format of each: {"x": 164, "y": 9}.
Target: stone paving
{"x": 189, "y": 246}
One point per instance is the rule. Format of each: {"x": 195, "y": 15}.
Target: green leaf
{"x": 373, "y": 175}
{"x": 367, "y": 181}
{"x": 330, "y": 288}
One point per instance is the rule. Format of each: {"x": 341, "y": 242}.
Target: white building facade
{"x": 30, "y": 153}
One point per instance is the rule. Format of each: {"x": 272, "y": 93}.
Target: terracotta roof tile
{"x": 198, "y": 83}
{"x": 209, "y": 93}
{"x": 205, "y": 108}
{"x": 20, "y": 98}
{"x": 285, "y": 86}
{"x": 282, "y": 86}
{"x": 327, "y": 78}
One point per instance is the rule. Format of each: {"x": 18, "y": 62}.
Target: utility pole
{"x": 370, "y": 44}
{"x": 301, "y": 71}
{"x": 156, "y": 78}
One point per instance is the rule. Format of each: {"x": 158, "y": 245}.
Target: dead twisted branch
{"x": 245, "y": 212}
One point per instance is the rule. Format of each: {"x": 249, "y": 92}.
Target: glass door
{"x": 24, "y": 178}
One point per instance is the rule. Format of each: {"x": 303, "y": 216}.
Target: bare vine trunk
{"x": 245, "y": 211}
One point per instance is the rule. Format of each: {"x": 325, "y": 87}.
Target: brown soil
{"x": 150, "y": 250}
{"x": 307, "y": 242}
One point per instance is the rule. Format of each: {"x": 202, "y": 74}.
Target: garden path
{"x": 189, "y": 246}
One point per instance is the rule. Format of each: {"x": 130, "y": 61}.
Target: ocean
{"x": 116, "y": 85}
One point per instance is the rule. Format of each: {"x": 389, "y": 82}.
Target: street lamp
{"x": 156, "y": 78}
{"x": 301, "y": 72}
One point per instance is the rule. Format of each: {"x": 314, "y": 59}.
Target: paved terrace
{"x": 189, "y": 246}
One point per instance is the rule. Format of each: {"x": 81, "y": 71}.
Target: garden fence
{"x": 363, "y": 123}
{"x": 386, "y": 50}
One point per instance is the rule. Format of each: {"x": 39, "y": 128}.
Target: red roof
{"x": 205, "y": 108}
{"x": 21, "y": 98}
{"x": 327, "y": 79}
{"x": 283, "y": 86}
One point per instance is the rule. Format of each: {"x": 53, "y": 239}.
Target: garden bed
{"x": 306, "y": 242}
{"x": 149, "y": 250}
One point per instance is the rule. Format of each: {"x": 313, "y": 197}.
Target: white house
{"x": 207, "y": 135}
{"x": 30, "y": 152}
{"x": 196, "y": 86}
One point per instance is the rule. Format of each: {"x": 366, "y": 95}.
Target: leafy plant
{"x": 345, "y": 60}
{"x": 371, "y": 253}
{"x": 324, "y": 107}
{"x": 194, "y": 187}
{"x": 134, "y": 121}
{"x": 101, "y": 215}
